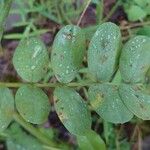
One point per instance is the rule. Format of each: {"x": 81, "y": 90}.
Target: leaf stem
{"x": 87, "y": 5}
{"x": 44, "y": 85}
{"x": 35, "y": 132}
{"x": 112, "y": 11}
{"x": 5, "y": 11}
{"x": 53, "y": 85}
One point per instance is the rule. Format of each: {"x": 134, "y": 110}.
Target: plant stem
{"x": 4, "y": 13}
{"x": 35, "y": 132}
{"x": 100, "y": 11}
{"x": 44, "y": 85}
{"x": 87, "y": 5}
{"x": 134, "y": 25}
{"x": 112, "y": 11}
{"x": 53, "y": 85}
{"x": 64, "y": 16}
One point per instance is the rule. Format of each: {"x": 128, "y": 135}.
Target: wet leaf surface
{"x": 33, "y": 104}
{"x": 72, "y": 111}
{"x": 103, "y": 51}
{"x": 135, "y": 59}
{"x": 91, "y": 141}
{"x": 31, "y": 59}
{"x": 67, "y": 53}
{"x": 105, "y": 100}
{"x": 137, "y": 99}
{"x": 6, "y": 107}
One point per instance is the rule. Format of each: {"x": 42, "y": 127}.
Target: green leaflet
{"x": 135, "y": 59}
{"x": 142, "y": 3}
{"x": 67, "y": 53}
{"x": 19, "y": 140}
{"x": 144, "y": 31}
{"x": 33, "y": 104}
{"x": 137, "y": 99}
{"x": 31, "y": 59}
{"x": 135, "y": 13}
{"x": 105, "y": 100}
{"x": 72, "y": 111}
{"x": 91, "y": 141}
{"x": 6, "y": 107}
{"x": 104, "y": 50}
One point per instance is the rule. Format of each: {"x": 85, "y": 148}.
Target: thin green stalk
{"x": 53, "y": 85}
{"x": 45, "y": 85}
{"x": 87, "y": 5}
{"x": 35, "y": 132}
{"x": 20, "y": 36}
{"x": 64, "y": 16}
{"x": 100, "y": 10}
{"x": 4, "y": 13}
{"x": 112, "y": 11}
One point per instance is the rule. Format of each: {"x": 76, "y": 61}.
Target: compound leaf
{"x": 32, "y": 104}
{"x": 72, "y": 111}
{"x": 6, "y": 107}
{"x": 31, "y": 59}
{"x": 103, "y": 51}
{"x": 67, "y": 53}
{"x": 105, "y": 100}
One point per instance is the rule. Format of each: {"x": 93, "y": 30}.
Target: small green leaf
{"x": 137, "y": 99}
{"x": 31, "y": 59}
{"x": 144, "y": 31}
{"x": 91, "y": 141}
{"x": 147, "y": 9}
{"x": 19, "y": 140}
{"x": 72, "y": 111}
{"x": 104, "y": 50}
{"x": 135, "y": 59}
{"x": 67, "y": 53}
{"x": 135, "y": 13}
{"x": 105, "y": 100}
{"x": 6, "y": 107}
{"x": 141, "y": 3}
{"x": 33, "y": 104}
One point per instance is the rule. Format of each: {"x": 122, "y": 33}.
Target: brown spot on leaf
{"x": 61, "y": 57}
{"x": 142, "y": 68}
{"x": 141, "y": 105}
{"x": 104, "y": 58}
{"x": 104, "y": 43}
{"x": 62, "y": 117}
{"x": 137, "y": 88}
{"x": 137, "y": 96}
{"x": 56, "y": 99}
{"x": 115, "y": 88}
{"x": 68, "y": 35}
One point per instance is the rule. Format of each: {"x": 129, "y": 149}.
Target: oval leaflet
{"x": 137, "y": 99}
{"x": 103, "y": 52}
{"x": 6, "y": 107}
{"x": 72, "y": 111}
{"x": 135, "y": 60}
{"x": 105, "y": 100}
{"x": 31, "y": 59}
{"x": 67, "y": 53}
{"x": 32, "y": 104}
